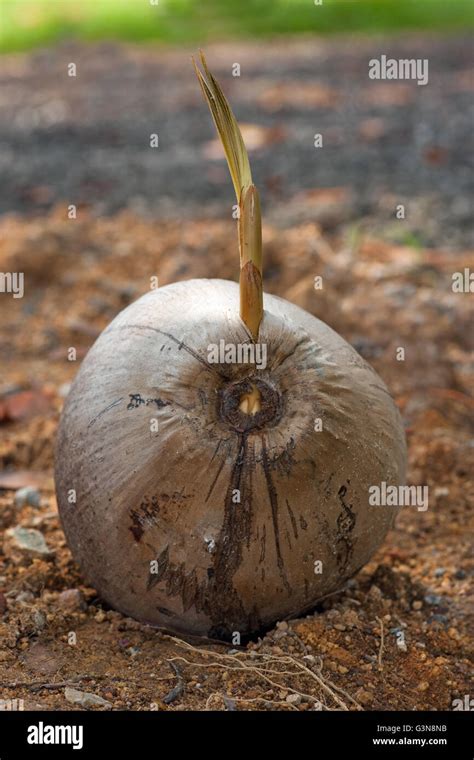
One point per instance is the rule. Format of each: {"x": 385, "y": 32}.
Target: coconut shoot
{"x": 250, "y": 218}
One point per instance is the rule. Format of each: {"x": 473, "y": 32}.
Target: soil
{"x": 397, "y": 635}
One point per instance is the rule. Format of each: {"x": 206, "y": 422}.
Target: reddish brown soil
{"x": 78, "y": 274}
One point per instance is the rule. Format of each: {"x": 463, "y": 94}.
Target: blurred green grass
{"x": 28, "y": 23}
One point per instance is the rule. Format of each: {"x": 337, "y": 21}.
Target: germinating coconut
{"x": 213, "y": 463}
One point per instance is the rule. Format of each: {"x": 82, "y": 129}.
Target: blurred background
{"x": 303, "y": 70}
{"x": 91, "y": 207}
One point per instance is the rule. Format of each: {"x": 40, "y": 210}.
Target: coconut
{"x": 213, "y": 467}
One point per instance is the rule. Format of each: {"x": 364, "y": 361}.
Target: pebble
{"x": 27, "y": 495}
{"x": 437, "y": 618}
{"x": 39, "y": 620}
{"x": 460, "y": 575}
{"x": 293, "y": 699}
{"x": 433, "y": 599}
{"x": 71, "y": 600}
{"x": 439, "y": 572}
{"x": 64, "y": 389}
{"x": 350, "y": 618}
{"x": 30, "y": 541}
{"x": 24, "y": 597}
{"x": 417, "y": 605}
{"x": 230, "y": 704}
{"x": 100, "y": 617}
{"x": 282, "y": 625}
{"x": 423, "y": 686}
{"x": 85, "y": 698}
{"x": 375, "y": 593}
{"x": 363, "y": 696}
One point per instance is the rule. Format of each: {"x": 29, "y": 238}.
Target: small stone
{"x": 375, "y": 593}
{"x": 439, "y": 572}
{"x": 453, "y": 634}
{"x": 282, "y": 625}
{"x": 423, "y": 686}
{"x": 340, "y": 627}
{"x": 433, "y": 600}
{"x": 64, "y": 389}
{"x": 350, "y": 618}
{"x": 363, "y": 696}
{"x": 27, "y": 495}
{"x": 71, "y": 600}
{"x": 85, "y": 698}
{"x": 440, "y": 619}
{"x": 100, "y": 617}
{"x": 39, "y": 620}
{"x": 24, "y": 597}
{"x": 460, "y": 574}
{"x": 42, "y": 659}
{"x": 343, "y": 669}
{"x": 30, "y": 541}
{"x": 293, "y": 699}
{"x": 417, "y": 605}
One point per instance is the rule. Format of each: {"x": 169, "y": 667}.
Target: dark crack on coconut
{"x": 345, "y": 525}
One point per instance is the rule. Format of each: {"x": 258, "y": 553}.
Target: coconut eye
{"x": 251, "y": 401}
{"x": 207, "y": 500}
